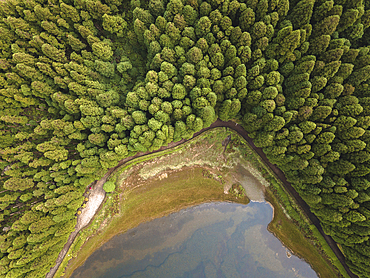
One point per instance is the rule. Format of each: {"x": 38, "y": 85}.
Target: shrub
{"x": 109, "y": 186}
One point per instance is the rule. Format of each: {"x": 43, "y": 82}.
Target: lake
{"x": 209, "y": 240}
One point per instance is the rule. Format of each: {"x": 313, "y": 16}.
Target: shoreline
{"x": 218, "y": 123}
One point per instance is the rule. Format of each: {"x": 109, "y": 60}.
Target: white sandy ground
{"x": 96, "y": 198}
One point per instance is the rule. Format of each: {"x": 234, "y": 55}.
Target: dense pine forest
{"x": 86, "y": 83}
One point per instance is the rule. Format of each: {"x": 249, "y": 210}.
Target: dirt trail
{"x": 97, "y": 195}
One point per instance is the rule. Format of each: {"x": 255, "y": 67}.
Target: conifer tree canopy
{"x": 87, "y": 83}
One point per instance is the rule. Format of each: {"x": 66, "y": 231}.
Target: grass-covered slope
{"x": 86, "y": 83}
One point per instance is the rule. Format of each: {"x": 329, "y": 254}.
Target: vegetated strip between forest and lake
{"x": 84, "y": 219}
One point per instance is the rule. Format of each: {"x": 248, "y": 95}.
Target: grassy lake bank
{"x": 196, "y": 172}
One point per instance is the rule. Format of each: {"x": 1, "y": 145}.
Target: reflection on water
{"x": 210, "y": 240}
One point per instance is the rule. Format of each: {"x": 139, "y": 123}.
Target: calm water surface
{"x": 210, "y": 240}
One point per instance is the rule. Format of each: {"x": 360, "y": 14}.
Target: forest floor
{"x": 97, "y": 194}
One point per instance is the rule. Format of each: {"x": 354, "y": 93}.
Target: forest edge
{"x": 84, "y": 219}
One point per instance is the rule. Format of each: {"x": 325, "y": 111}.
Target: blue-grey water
{"x": 209, "y": 240}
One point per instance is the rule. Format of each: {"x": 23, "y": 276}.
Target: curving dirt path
{"x": 97, "y": 195}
